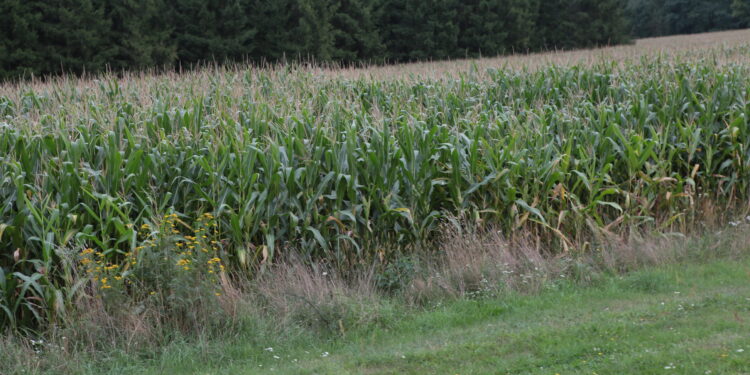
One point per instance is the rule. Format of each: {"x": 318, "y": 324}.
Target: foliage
{"x": 666, "y": 17}
{"x": 75, "y": 36}
{"x": 210, "y": 30}
{"x": 495, "y": 27}
{"x": 741, "y": 11}
{"x": 354, "y": 171}
{"x": 604, "y": 23}
{"x": 570, "y": 326}
{"x": 355, "y": 37}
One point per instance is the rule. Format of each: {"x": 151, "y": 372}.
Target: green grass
{"x": 695, "y": 317}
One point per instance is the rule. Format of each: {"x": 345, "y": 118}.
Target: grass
{"x": 684, "y": 318}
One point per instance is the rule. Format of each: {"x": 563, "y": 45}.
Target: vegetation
{"x": 685, "y": 318}
{"x": 75, "y": 36}
{"x": 39, "y": 37}
{"x": 674, "y": 318}
{"x": 741, "y": 11}
{"x": 667, "y": 17}
{"x": 348, "y": 172}
{"x": 290, "y": 206}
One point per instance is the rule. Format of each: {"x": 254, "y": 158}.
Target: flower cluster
{"x": 102, "y": 271}
{"x": 201, "y": 247}
{"x": 192, "y": 249}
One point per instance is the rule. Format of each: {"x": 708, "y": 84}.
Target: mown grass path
{"x": 679, "y": 319}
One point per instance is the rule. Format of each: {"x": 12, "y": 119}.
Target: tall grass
{"x": 351, "y": 171}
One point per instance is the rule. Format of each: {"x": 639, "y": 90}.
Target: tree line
{"x": 42, "y": 37}
{"x": 667, "y": 17}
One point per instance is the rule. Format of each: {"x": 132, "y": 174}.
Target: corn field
{"x": 349, "y": 171}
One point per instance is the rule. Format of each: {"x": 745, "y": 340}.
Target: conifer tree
{"x": 482, "y": 27}
{"x": 316, "y": 28}
{"x": 493, "y": 27}
{"x": 276, "y": 23}
{"x": 741, "y": 11}
{"x": 418, "y": 29}
{"x": 601, "y": 23}
{"x": 521, "y": 17}
{"x": 355, "y": 36}
{"x": 211, "y": 30}
{"x": 554, "y": 25}
{"x": 73, "y": 33}
{"x": 695, "y": 16}
{"x": 19, "y": 40}
{"x": 646, "y": 18}
{"x": 140, "y": 35}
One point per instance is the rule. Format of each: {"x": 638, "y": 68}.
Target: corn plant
{"x": 347, "y": 171}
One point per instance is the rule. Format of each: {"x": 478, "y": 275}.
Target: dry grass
{"x": 487, "y": 264}
{"x": 297, "y": 294}
{"x": 293, "y": 296}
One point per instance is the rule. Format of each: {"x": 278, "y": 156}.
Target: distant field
{"x": 123, "y": 189}
{"x": 725, "y": 46}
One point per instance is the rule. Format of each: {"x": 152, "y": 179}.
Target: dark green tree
{"x": 45, "y": 37}
{"x": 140, "y": 35}
{"x": 19, "y": 40}
{"x": 277, "y": 23}
{"x": 441, "y": 30}
{"x": 696, "y": 16}
{"x": 646, "y": 18}
{"x": 483, "y": 29}
{"x": 493, "y": 27}
{"x": 601, "y": 22}
{"x": 73, "y": 34}
{"x": 741, "y": 11}
{"x": 235, "y": 29}
{"x": 316, "y": 29}
{"x": 566, "y": 24}
{"x": 666, "y": 17}
{"x": 355, "y": 36}
{"x": 521, "y": 16}
{"x": 211, "y": 30}
{"x": 555, "y": 25}
{"x": 418, "y": 29}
